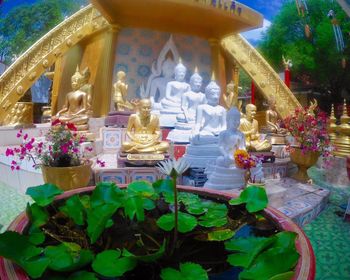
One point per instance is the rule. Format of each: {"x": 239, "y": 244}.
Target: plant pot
{"x": 304, "y": 160}
{"x": 67, "y": 178}
{"x": 305, "y": 269}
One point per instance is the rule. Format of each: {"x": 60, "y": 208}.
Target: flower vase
{"x": 304, "y": 160}
{"x": 68, "y": 178}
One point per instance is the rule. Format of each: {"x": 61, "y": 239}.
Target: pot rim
{"x": 305, "y": 269}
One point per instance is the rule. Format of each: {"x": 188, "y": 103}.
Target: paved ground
{"x": 329, "y": 233}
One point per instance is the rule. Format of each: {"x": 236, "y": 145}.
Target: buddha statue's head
{"x": 212, "y": 93}
{"x": 168, "y": 68}
{"x": 180, "y": 72}
{"x": 77, "y": 80}
{"x": 121, "y": 76}
{"x": 196, "y": 81}
{"x": 230, "y": 87}
{"x": 250, "y": 111}
{"x": 233, "y": 118}
{"x": 145, "y": 106}
{"x": 272, "y": 104}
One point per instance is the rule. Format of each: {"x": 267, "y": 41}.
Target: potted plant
{"x": 250, "y": 163}
{"x": 309, "y": 128}
{"x": 149, "y": 231}
{"x": 60, "y": 157}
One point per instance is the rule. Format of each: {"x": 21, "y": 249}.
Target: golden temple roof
{"x": 204, "y": 18}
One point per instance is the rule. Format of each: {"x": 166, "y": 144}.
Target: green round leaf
{"x": 67, "y": 257}
{"x": 188, "y": 271}
{"x": 74, "y": 209}
{"x": 254, "y": 197}
{"x": 109, "y": 263}
{"x": 186, "y": 222}
{"x": 38, "y": 216}
{"x": 106, "y": 193}
{"x": 220, "y": 235}
{"x": 163, "y": 186}
{"x": 142, "y": 188}
{"x": 43, "y": 195}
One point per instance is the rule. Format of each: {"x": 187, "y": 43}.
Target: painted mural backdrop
{"x": 137, "y": 49}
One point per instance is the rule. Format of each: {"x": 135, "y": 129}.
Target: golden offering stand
{"x": 340, "y": 134}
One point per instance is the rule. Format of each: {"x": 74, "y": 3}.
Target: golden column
{"x": 99, "y": 56}
{"x": 218, "y": 63}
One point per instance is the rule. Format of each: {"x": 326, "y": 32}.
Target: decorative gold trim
{"x": 262, "y": 73}
{"x": 21, "y": 75}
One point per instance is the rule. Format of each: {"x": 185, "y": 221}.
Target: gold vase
{"x": 304, "y": 161}
{"x": 67, "y": 178}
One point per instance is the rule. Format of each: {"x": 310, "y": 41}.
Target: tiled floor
{"x": 329, "y": 234}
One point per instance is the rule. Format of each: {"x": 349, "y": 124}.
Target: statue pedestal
{"x": 118, "y": 119}
{"x": 224, "y": 178}
{"x": 141, "y": 160}
{"x": 276, "y": 139}
{"x": 198, "y": 156}
{"x": 167, "y": 117}
{"x": 181, "y": 133}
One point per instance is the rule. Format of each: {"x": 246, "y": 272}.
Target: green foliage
{"x": 97, "y": 220}
{"x": 316, "y": 58}
{"x": 43, "y": 195}
{"x": 164, "y": 186}
{"x": 106, "y": 193}
{"x": 188, "y": 271}
{"x": 36, "y": 236}
{"x": 215, "y": 216}
{"x": 82, "y": 275}
{"x": 261, "y": 257}
{"x": 38, "y": 216}
{"x": 19, "y": 249}
{"x": 186, "y": 222}
{"x": 68, "y": 257}
{"x": 254, "y": 197}
{"x": 220, "y": 235}
{"x": 25, "y": 24}
{"x": 74, "y": 209}
{"x": 110, "y": 263}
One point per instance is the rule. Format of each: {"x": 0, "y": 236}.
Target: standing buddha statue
{"x": 120, "y": 89}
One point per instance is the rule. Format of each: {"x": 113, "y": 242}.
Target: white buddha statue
{"x": 224, "y": 174}
{"x": 210, "y": 118}
{"x": 210, "y": 121}
{"x": 171, "y": 103}
{"x": 189, "y": 102}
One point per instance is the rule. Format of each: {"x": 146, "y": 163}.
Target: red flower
{"x": 55, "y": 122}
{"x": 71, "y": 126}
{"x": 9, "y": 152}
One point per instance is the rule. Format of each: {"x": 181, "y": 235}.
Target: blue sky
{"x": 269, "y": 8}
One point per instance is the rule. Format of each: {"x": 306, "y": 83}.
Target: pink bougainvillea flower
{"x": 71, "y": 126}
{"x": 9, "y": 152}
{"x": 55, "y": 122}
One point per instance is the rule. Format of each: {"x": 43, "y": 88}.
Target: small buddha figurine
{"x": 144, "y": 132}
{"x": 250, "y": 128}
{"x": 210, "y": 117}
{"x": 120, "y": 89}
{"x": 76, "y": 107}
{"x": 191, "y": 99}
{"x": 230, "y": 139}
{"x": 175, "y": 90}
{"x": 272, "y": 120}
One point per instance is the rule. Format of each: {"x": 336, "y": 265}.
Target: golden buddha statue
{"x": 231, "y": 97}
{"x": 120, "y": 89}
{"x": 272, "y": 120}
{"x": 342, "y": 140}
{"x": 250, "y": 128}
{"x": 144, "y": 132}
{"x": 77, "y": 107}
{"x": 332, "y": 127}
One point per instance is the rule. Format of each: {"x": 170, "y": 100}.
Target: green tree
{"x": 25, "y": 24}
{"x": 315, "y": 59}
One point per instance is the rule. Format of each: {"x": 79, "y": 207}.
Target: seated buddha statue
{"x": 144, "y": 132}
{"x": 174, "y": 90}
{"x": 250, "y": 128}
{"x": 191, "y": 99}
{"x": 272, "y": 124}
{"x": 210, "y": 122}
{"x": 210, "y": 117}
{"x": 120, "y": 92}
{"x": 76, "y": 108}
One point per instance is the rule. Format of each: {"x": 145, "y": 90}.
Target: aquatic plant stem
{"x": 174, "y": 177}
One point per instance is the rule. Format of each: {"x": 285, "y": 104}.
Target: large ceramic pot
{"x": 304, "y": 160}
{"x": 305, "y": 269}
{"x": 67, "y": 178}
